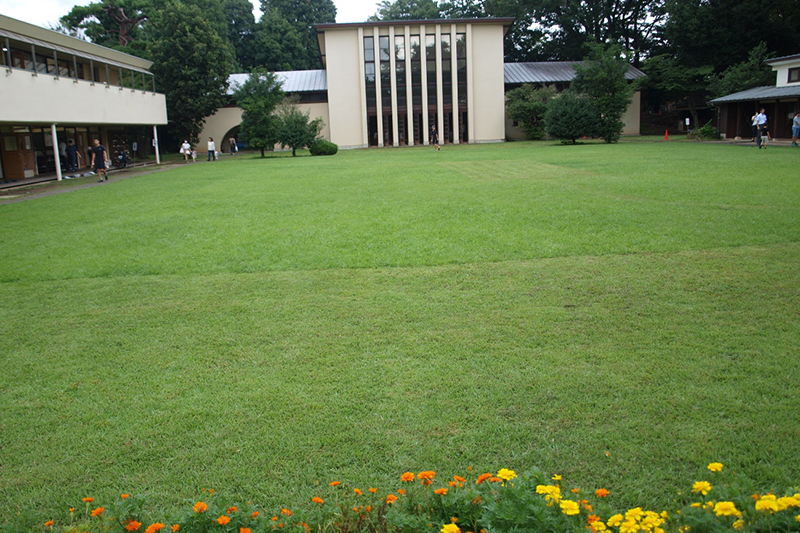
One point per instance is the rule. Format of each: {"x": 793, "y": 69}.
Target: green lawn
{"x": 620, "y": 314}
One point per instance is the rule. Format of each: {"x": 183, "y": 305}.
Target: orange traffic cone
{"x": 666, "y": 135}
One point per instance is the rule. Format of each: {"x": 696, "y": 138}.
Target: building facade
{"x": 58, "y": 89}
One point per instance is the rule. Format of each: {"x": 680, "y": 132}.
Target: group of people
{"x": 188, "y": 151}
{"x": 761, "y": 135}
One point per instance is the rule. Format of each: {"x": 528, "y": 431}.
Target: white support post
{"x": 55, "y": 151}
{"x": 155, "y": 145}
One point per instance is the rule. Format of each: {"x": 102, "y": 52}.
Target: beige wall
{"x": 30, "y": 99}
{"x": 487, "y": 85}
{"x": 783, "y": 73}
{"x": 344, "y": 88}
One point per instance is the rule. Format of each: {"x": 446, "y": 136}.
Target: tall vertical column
{"x": 454, "y": 80}
{"x": 56, "y": 151}
{"x": 393, "y": 78}
{"x": 378, "y": 98}
{"x": 439, "y": 91}
{"x": 470, "y": 88}
{"x": 423, "y": 52}
{"x": 155, "y": 145}
{"x": 363, "y": 86}
{"x": 409, "y": 91}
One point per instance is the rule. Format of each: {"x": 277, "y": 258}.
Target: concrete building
{"x": 57, "y": 88}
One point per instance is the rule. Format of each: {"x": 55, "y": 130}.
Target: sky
{"x": 45, "y": 13}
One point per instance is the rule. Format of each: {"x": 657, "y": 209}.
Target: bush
{"x": 572, "y": 116}
{"x": 705, "y": 133}
{"x": 527, "y": 105}
{"x": 323, "y": 147}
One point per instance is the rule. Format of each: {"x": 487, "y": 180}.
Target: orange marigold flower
{"x": 71, "y": 510}
{"x": 200, "y": 507}
{"x": 133, "y": 525}
{"x": 495, "y": 479}
{"x": 601, "y": 493}
{"x": 391, "y": 498}
{"x": 593, "y": 518}
{"x": 368, "y": 508}
{"x": 286, "y": 512}
{"x": 482, "y": 478}
{"x": 408, "y": 476}
{"x": 175, "y": 528}
{"x": 152, "y": 528}
{"x": 427, "y": 474}
{"x": 574, "y": 491}
{"x": 98, "y": 511}
{"x": 232, "y": 510}
{"x": 124, "y": 496}
{"x": 478, "y": 499}
{"x": 49, "y": 523}
{"x": 245, "y": 530}
{"x": 335, "y": 483}
{"x": 223, "y": 520}
{"x": 317, "y": 499}
{"x": 454, "y": 519}
{"x": 274, "y": 518}
{"x": 440, "y": 492}
{"x": 88, "y": 499}
{"x": 452, "y": 484}
{"x": 373, "y": 491}
{"x": 401, "y": 492}
{"x": 255, "y": 514}
{"x": 459, "y": 479}
{"x": 358, "y": 491}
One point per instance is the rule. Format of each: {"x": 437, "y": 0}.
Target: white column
{"x": 439, "y": 91}
{"x": 423, "y": 52}
{"x": 56, "y": 151}
{"x": 409, "y": 91}
{"x": 155, "y": 145}
{"x": 454, "y": 80}
{"x": 470, "y": 88}
{"x": 363, "y": 85}
{"x": 393, "y": 78}
{"x": 378, "y": 100}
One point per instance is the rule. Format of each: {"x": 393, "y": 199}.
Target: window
{"x": 794, "y": 75}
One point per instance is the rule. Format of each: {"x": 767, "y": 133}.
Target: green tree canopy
{"x": 528, "y": 105}
{"x": 258, "y": 97}
{"x": 301, "y": 15}
{"x": 293, "y": 128}
{"x": 745, "y": 75}
{"x": 406, "y": 10}
{"x": 240, "y": 24}
{"x": 571, "y": 116}
{"x": 277, "y": 45}
{"x": 111, "y": 23}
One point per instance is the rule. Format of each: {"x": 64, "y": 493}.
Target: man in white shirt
{"x": 763, "y": 129}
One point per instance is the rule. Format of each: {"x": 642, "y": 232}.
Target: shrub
{"x": 323, "y": 147}
{"x": 704, "y": 133}
{"x": 527, "y": 105}
{"x": 571, "y": 116}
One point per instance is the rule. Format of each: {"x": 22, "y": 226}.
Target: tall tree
{"x": 527, "y": 105}
{"x": 191, "y": 66}
{"x": 673, "y": 81}
{"x": 258, "y": 97}
{"x": 406, "y": 10}
{"x": 277, "y": 45}
{"x": 241, "y": 23}
{"x": 745, "y": 75}
{"x": 295, "y": 129}
{"x": 111, "y": 23}
{"x": 302, "y": 15}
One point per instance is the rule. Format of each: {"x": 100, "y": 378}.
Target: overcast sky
{"x": 46, "y": 13}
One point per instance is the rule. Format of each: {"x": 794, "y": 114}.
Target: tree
{"x": 191, "y": 66}
{"x": 302, "y": 15}
{"x": 258, "y": 97}
{"x": 277, "y": 45}
{"x": 528, "y": 105}
{"x": 293, "y": 127}
{"x": 744, "y": 75}
{"x": 462, "y": 9}
{"x": 112, "y": 23}
{"x": 602, "y": 78}
{"x": 406, "y": 10}
{"x": 673, "y": 81}
{"x": 241, "y": 23}
{"x": 572, "y": 115}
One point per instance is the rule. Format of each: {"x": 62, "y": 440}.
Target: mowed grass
{"x": 619, "y": 314}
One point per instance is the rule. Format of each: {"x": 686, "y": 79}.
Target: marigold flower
{"x": 372, "y": 490}
{"x": 454, "y": 519}
{"x": 592, "y": 518}
{"x": 495, "y": 479}
{"x": 401, "y": 492}
{"x": 715, "y": 467}
{"x": 597, "y": 526}
{"x": 152, "y": 528}
{"x": 629, "y": 526}
{"x": 788, "y": 501}
{"x": 274, "y": 518}
{"x": 440, "y": 492}
{"x": 482, "y": 478}
{"x": 125, "y": 496}
{"x": 569, "y": 507}
{"x": 232, "y": 510}
{"x": 223, "y": 520}
{"x": 796, "y": 518}
{"x": 391, "y": 498}
{"x": 98, "y": 511}
{"x": 200, "y": 507}
{"x": 408, "y": 476}
{"x": 245, "y": 530}
{"x": 703, "y": 487}
{"x": 286, "y": 512}
{"x": 556, "y": 477}
{"x": 335, "y": 483}
{"x": 317, "y": 499}
{"x": 427, "y": 474}
{"x": 506, "y": 474}
{"x": 726, "y": 509}
{"x": 601, "y": 493}
{"x": 358, "y": 491}
{"x": 450, "y": 528}
{"x": 615, "y": 520}
{"x": 459, "y": 479}
{"x": 768, "y": 503}
{"x": 368, "y": 508}
{"x": 133, "y": 525}
{"x": 71, "y": 510}
{"x": 88, "y": 499}
{"x": 739, "y": 524}
{"x": 255, "y": 514}
{"x": 49, "y": 523}
{"x": 175, "y": 528}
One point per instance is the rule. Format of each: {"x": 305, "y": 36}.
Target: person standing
{"x": 99, "y": 160}
{"x": 763, "y": 129}
{"x": 73, "y": 156}
{"x": 232, "y": 145}
{"x": 795, "y": 127}
{"x": 754, "y": 125}
{"x": 186, "y": 150}
{"x": 212, "y": 150}
{"x": 435, "y": 139}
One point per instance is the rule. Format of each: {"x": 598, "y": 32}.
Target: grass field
{"x": 620, "y": 314}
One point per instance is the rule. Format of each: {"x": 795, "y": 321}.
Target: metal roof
{"x": 550, "y": 72}
{"x": 760, "y": 93}
{"x": 293, "y": 81}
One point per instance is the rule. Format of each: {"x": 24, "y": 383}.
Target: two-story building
{"x": 57, "y": 88}
{"x": 780, "y": 102}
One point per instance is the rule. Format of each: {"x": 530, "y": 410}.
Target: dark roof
{"x": 781, "y": 59}
{"x": 550, "y": 72}
{"x": 293, "y": 81}
{"x": 760, "y": 93}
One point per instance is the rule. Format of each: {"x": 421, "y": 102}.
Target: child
{"x": 194, "y": 156}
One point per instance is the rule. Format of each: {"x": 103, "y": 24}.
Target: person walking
{"x": 232, "y": 145}
{"x": 186, "y": 150}
{"x": 73, "y": 156}
{"x": 435, "y": 139}
{"x": 763, "y": 129}
{"x": 99, "y": 160}
{"x": 795, "y": 127}
{"x": 212, "y": 150}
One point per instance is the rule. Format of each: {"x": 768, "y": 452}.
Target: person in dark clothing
{"x": 73, "y": 156}
{"x": 99, "y": 160}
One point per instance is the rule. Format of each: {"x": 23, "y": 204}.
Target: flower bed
{"x": 485, "y": 503}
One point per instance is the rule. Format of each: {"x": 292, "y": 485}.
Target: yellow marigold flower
{"x": 223, "y": 520}
{"x": 440, "y": 492}
{"x": 726, "y": 509}
{"x": 615, "y": 520}
{"x": 739, "y": 524}
{"x": 601, "y": 493}
{"x": 629, "y": 526}
{"x": 634, "y": 514}
{"x": 200, "y": 507}
{"x": 570, "y": 507}
{"x": 98, "y": 511}
{"x": 703, "y": 487}
{"x": 597, "y": 526}
{"x": 715, "y": 467}
{"x": 335, "y": 483}
{"x": 797, "y": 518}
{"x": 506, "y": 474}
{"x": 482, "y": 478}
{"x": 317, "y": 499}
{"x": 391, "y": 498}
{"x": 408, "y": 476}
{"x": 696, "y": 505}
{"x": 133, "y": 525}
{"x": 153, "y": 528}
{"x": 684, "y": 529}
{"x": 767, "y": 505}
{"x": 450, "y": 528}
{"x": 556, "y": 477}
{"x": 787, "y": 501}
